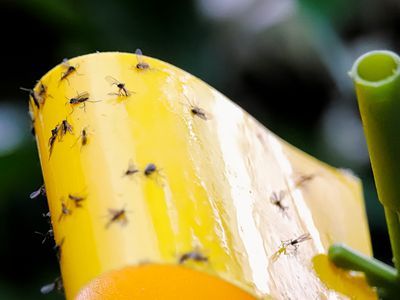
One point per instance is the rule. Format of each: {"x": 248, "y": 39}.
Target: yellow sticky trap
{"x": 175, "y": 176}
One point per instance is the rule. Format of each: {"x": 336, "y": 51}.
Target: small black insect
{"x": 76, "y": 199}
{"x": 33, "y": 132}
{"x": 80, "y": 98}
{"x": 56, "y": 285}
{"x": 295, "y": 242}
{"x": 52, "y": 139}
{"x": 39, "y": 191}
{"x": 69, "y": 70}
{"x": 122, "y": 90}
{"x": 42, "y": 90}
{"x": 131, "y": 170}
{"x": 47, "y": 216}
{"x": 197, "y": 111}
{"x": 277, "y": 199}
{"x": 290, "y": 246}
{"x": 303, "y": 179}
{"x": 47, "y": 235}
{"x": 150, "y": 169}
{"x": 35, "y": 96}
{"x": 118, "y": 216}
{"x": 58, "y": 248}
{"x": 64, "y": 128}
{"x": 64, "y": 211}
{"x": 84, "y": 136}
{"x": 141, "y": 65}
{"x": 193, "y": 255}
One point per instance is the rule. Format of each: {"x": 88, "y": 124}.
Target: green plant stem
{"x": 377, "y": 273}
{"x": 377, "y": 80}
{"x": 392, "y": 219}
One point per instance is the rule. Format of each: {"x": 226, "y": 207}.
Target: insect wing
{"x": 36, "y": 193}
{"x": 303, "y": 237}
{"x": 111, "y": 80}
{"x": 48, "y": 288}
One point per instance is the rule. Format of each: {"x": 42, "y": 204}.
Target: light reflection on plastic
{"x": 242, "y": 201}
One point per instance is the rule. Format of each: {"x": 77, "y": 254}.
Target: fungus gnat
{"x": 193, "y": 255}
{"x": 47, "y": 216}
{"x": 64, "y": 211}
{"x": 35, "y": 96}
{"x": 58, "y": 248}
{"x": 122, "y": 90}
{"x": 131, "y": 170}
{"x": 277, "y": 199}
{"x": 48, "y": 234}
{"x": 42, "y": 90}
{"x": 197, "y": 111}
{"x": 33, "y": 132}
{"x": 65, "y": 127}
{"x": 80, "y": 98}
{"x": 76, "y": 199}
{"x": 303, "y": 179}
{"x": 150, "y": 169}
{"x": 141, "y": 64}
{"x": 295, "y": 242}
{"x": 52, "y": 139}
{"x": 83, "y": 137}
{"x": 290, "y": 245}
{"x": 69, "y": 70}
{"x": 117, "y": 216}
{"x": 56, "y": 285}
{"x": 39, "y": 191}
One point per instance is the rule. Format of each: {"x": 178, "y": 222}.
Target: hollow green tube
{"x": 376, "y": 75}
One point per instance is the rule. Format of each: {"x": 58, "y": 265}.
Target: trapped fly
{"x": 39, "y": 191}
{"x": 81, "y": 98}
{"x": 122, "y": 90}
{"x": 52, "y": 139}
{"x": 290, "y": 245}
{"x": 58, "y": 248}
{"x": 64, "y": 128}
{"x": 131, "y": 170}
{"x": 303, "y": 179}
{"x": 76, "y": 199}
{"x": 197, "y": 111}
{"x": 295, "y": 242}
{"x": 35, "y": 96}
{"x": 117, "y": 216}
{"x": 56, "y": 285}
{"x": 83, "y": 137}
{"x": 150, "y": 169}
{"x": 141, "y": 64}
{"x": 47, "y": 235}
{"x": 70, "y": 69}
{"x": 277, "y": 199}
{"x": 193, "y": 255}
{"x": 64, "y": 211}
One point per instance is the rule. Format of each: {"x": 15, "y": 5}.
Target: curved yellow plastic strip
{"x": 155, "y": 166}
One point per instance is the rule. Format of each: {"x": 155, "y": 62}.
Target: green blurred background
{"x": 284, "y": 61}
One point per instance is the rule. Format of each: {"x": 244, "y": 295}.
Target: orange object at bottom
{"x": 160, "y": 282}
